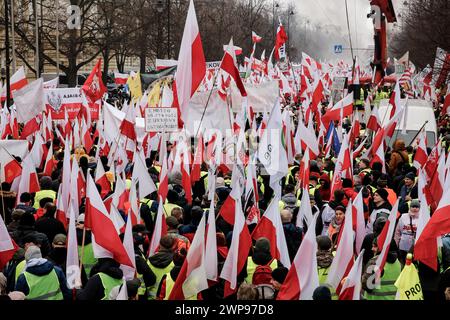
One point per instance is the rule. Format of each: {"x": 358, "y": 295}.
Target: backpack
{"x": 262, "y": 275}
{"x": 265, "y": 292}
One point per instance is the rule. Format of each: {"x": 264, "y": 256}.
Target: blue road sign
{"x": 338, "y": 48}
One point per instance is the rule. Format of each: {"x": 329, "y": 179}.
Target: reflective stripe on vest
{"x": 43, "y": 287}
{"x": 108, "y": 283}
{"x": 387, "y": 289}
{"x": 251, "y": 267}
{"x": 159, "y": 272}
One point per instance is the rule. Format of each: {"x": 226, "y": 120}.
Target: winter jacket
{"x": 382, "y": 210}
{"x": 23, "y": 231}
{"x": 26, "y": 208}
{"x": 50, "y": 227}
{"x": 162, "y": 258}
{"x": 293, "y": 235}
{"x": 143, "y": 268}
{"x": 94, "y": 290}
{"x": 290, "y": 201}
{"x": 405, "y": 232}
{"x": 42, "y": 270}
{"x": 398, "y": 155}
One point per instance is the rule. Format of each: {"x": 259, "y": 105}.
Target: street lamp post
{"x": 274, "y": 6}
{"x": 291, "y": 13}
{"x": 168, "y": 29}
{"x": 159, "y": 9}
{"x": 7, "y": 77}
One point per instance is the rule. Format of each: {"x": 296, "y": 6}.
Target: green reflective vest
{"x": 159, "y": 273}
{"x": 169, "y": 286}
{"x": 43, "y": 287}
{"x": 108, "y": 283}
{"x": 251, "y": 267}
{"x": 19, "y": 269}
{"x": 387, "y": 290}
{"x": 41, "y": 195}
{"x": 88, "y": 258}
{"x": 168, "y": 207}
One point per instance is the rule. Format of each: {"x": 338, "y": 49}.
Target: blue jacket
{"x": 42, "y": 270}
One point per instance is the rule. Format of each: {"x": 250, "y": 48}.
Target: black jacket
{"x": 143, "y": 268}
{"x": 294, "y": 237}
{"x": 162, "y": 258}
{"x": 41, "y": 238}
{"x": 50, "y": 227}
{"x": 94, "y": 290}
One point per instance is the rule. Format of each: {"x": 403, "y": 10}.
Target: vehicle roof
{"x": 418, "y": 111}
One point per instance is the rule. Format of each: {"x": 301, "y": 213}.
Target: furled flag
{"x": 99, "y": 221}
{"x": 351, "y": 289}
{"x": 140, "y": 173}
{"x": 302, "y": 278}
{"x": 211, "y": 241}
{"x": 160, "y": 228}
{"x": 192, "y": 277}
{"x": 280, "y": 48}
{"x": 271, "y": 227}
{"x": 343, "y": 261}
{"x": 239, "y": 249}
{"x": 408, "y": 282}
{"x": 128, "y": 244}
{"x": 73, "y": 272}
{"x": 93, "y": 87}
{"x": 191, "y": 62}
{"x": 394, "y": 100}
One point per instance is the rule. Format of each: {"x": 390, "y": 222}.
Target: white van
{"x": 419, "y": 112}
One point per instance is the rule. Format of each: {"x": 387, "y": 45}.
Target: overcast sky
{"x": 332, "y": 12}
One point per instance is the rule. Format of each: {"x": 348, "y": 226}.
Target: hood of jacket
{"x": 399, "y": 145}
{"x": 110, "y": 267}
{"x": 289, "y": 199}
{"x": 41, "y": 269}
{"x": 161, "y": 259}
{"x": 324, "y": 258}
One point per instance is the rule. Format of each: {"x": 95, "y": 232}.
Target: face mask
{"x": 139, "y": 240}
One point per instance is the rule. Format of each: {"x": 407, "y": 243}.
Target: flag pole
{"x": 207, "y": 101}
{"x": 82, "y": 248}
{"x": 418, "y": 132}
{"x": 3, "y": 201}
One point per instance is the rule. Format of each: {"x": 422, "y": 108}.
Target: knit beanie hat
{"x": 279, "y": 274}
{"x": 262, "y": 245}
{"x": 322, "y": 293}
{"x": 324, "y": 243}
{"x": 33, "y": 252}
{"x": 410, "y": 176}
{"x": 383, "y": 193}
